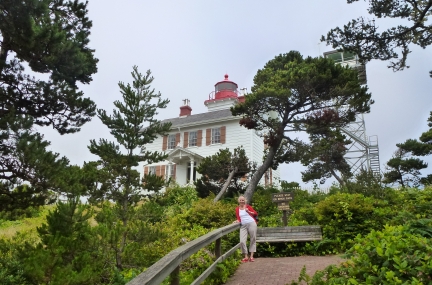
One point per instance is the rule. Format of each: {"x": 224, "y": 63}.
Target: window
{"x": 152, "y": 170}
{"x": 215, "y": 136}
{"x": 171, "y": 141}
{"x": 193, "y": 138}
{"x": 170, "y": 171}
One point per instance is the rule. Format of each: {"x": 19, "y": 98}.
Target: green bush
{"x": 177, "y": 198}
{"x": 344, "y": 216}
{"x": 11, "y": 265}
{"x": 391, "y": 256}
{"x": 208, "y": 214}
{"x": 19, "y": 214}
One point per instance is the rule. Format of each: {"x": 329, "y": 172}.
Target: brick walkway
{"x": 279, "y": 271}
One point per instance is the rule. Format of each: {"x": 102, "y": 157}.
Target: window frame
{"x": 171, "y": 142}
{"x": 152, "y": 170}
{"x": 193, "y": 139}
{"x": 216, "y": 135}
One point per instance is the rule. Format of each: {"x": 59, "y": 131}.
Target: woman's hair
{"x": 241, "y": 196}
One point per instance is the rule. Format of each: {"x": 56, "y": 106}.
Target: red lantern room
{"x": 225, "y": 89}
{"x": 224, "y": 95}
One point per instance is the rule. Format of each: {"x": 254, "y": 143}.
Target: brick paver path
{"x": 279, "y": 271}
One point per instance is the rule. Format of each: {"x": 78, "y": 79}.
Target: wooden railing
{"x": 170, "y": 263}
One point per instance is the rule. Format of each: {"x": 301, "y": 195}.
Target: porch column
{"x": 191, "y": 170}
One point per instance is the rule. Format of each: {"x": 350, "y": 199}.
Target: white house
{"x": 193, "y": 137}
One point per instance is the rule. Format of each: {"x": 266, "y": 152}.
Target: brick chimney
{"x": 185, "y": 110}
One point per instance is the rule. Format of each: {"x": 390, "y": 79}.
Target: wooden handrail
{"x": 168, "y": 264}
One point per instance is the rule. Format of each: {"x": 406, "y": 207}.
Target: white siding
{"x": 235, "y": 136}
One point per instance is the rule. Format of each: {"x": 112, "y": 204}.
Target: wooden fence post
{"x": 218, "y": 248}
{"x": 175, "y": 276}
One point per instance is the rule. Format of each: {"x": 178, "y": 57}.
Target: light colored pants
{"x": 251, "y": 229}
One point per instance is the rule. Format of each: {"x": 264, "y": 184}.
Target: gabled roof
{"x": 179, "y": 151}
{"x": 191, "y": 120}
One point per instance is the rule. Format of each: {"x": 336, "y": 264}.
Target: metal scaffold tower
{"x": 363, "y": 152}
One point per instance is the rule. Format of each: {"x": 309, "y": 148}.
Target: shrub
{"x": 391, "y": 256}
{"x": 344, "y": 216}
{"x": 208, "y": 214}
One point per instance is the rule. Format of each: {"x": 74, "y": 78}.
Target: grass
{"x": 8, "y": 229}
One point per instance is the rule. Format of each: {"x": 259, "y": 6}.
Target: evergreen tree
{"x": 295, "y": 94}
{"x": 68, "y": 252}
{"x": 325, "y": 157}
{"x": 361, "y": 35}
{"x": 403, "y": 169}
{"x": 223, "y": 171}
{"x": 47, "y": 37}
{"x": 133, "y": 125}
{"x": 25, "y": 160}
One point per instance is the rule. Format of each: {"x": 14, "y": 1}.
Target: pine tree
{"x": 68, "y": 251}
{"x": 404, "y": 169}
{"x": 325, "y": 156}
{"x": 51, "y": 38}
{"x": 223, "y": 171}
{"x": 291, "y": 94}
{"x": 362, "y": 36}
{"x": 25, "y": 160}
{"x": 133, "y": 125}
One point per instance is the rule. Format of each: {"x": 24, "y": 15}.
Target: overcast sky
{"x": 190, "y": 45}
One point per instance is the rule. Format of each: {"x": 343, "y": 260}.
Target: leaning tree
{"x": 292, "y": 94}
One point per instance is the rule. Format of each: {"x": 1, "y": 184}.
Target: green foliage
{"x": 296, "y": 94}
{"x": 209, "y": 215}
{"x": 11, "y": 265}
{"x": 403, "y": 170}
{"x": 68, "y": 252}
{"x": 366, "y": 183}
{"x": 325, "y": 157}
{"x": 178, "y": 198}
{"x": 390, "y": 256}
{"x": 172, "y": 218}
{"x": 362, "y": 37}
{"x": 19, "y": 214}
{"x": 119, "y": 181}
{"x": 50, "y": 38}
{"x": 268, "y": 213}
{"x": 215, "y": 170}
{"x": 344, "y": 216}
{"x": 25, "y": 152}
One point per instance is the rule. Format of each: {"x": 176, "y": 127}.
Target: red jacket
{"x": 249, "y": 207}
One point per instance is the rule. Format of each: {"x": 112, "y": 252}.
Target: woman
{"x": 246, "y": 216}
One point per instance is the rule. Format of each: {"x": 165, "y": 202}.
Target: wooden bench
{"x": 289, "y": 234}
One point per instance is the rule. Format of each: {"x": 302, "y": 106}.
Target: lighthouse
{"x": 224, "y": 96}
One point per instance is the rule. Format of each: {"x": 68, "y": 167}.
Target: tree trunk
{"x": 259, "y": 174}
{"x": 226, "y": 184}
{"x": 340, "y": 180}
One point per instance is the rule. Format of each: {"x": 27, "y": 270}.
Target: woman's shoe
{"x": 251, "y": 259}
{"x": 245, "y": 259}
